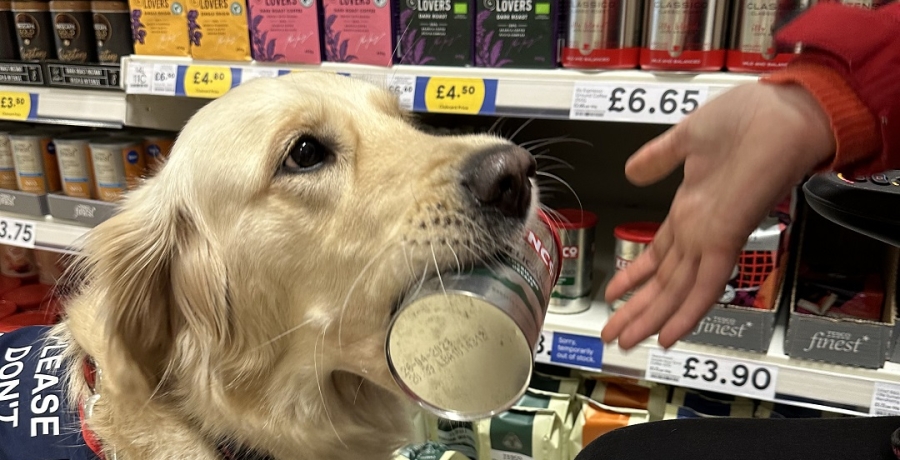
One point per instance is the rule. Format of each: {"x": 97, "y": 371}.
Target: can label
{"x": 685, "y": 35}
{"x": 7, "y": 165}
{"x": 576, "y": 276}
{"x": 36, "y": 167}
{"x": 603, "y": 34}
{"x": 75, "y": 168}
{"x": 755, "y": 21}
{"x": 626, "y": 253}
{"x": 117, "y": 168}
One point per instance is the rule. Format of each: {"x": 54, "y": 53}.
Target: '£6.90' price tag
{"x": 207, "y": 81}
{"x": 643, "y": 103}
{"x": 712, "y": 373}
{"x": 15, "y": 232}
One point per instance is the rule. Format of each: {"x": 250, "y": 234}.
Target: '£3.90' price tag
{"x": 15, "y": 232}
{"x": 712, "y": 373}
{"x": 456, "y": 95}
{"x": 207, "y": 81}
{"x": 15, "y": 105}
{"x": 643, "y": 103}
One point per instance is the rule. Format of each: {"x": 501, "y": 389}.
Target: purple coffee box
{"x": 517, "y": 33}
{"x": 359, "y": 31}
{"x": 436, "y": 32}
{"x": 285, "y": 31}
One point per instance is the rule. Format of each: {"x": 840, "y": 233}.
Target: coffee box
{"x": 359, "y": 31}
{"x": 436, "y": 32}
{"x": 285, "y": 31}
{"x": 516, "y": 33}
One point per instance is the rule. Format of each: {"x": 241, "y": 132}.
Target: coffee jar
{"x": 112, "y": 30}
{"x": 74, "y": 35}
{"x": 34, "y": 30}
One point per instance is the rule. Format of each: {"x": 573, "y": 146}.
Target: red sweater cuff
{"x": 856, "y": 130}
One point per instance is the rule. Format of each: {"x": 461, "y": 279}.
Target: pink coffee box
{"x": 285, "y": 31}
{"x": 359, "y": 31}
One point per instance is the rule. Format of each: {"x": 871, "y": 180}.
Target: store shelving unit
{"x": 79, "y": 107}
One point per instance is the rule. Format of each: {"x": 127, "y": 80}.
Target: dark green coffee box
{"x": 436, "y": 32}
{"x": 516, "y": 33}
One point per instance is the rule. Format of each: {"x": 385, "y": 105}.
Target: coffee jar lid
{"x": 70, "y": 5}
{"x": 30, "y": 5}
{"x": 111, "y": 6}
{"x": 5, "y": 5}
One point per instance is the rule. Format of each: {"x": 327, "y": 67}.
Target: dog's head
{"x": 251, "y": 281}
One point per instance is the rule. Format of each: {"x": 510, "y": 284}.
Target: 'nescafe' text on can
{"x": 686, "y": 35}
{"x": 603, "y": 34}
{"x": 576, "y": 233}
{"x": 463, "y": 345}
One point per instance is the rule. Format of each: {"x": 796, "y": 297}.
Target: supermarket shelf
{"x": 513, "y": 92}
{"x": 52, "y": 234}
{"x": 80, "y": 107}
{"x": 804, "y": 383}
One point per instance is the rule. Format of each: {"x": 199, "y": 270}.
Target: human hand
{"x": 742, "y": 152}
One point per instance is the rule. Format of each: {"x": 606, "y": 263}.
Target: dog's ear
{"x": 156, "y": 271}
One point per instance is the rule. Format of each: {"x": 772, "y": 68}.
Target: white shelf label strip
{"x": 16, "y": 232}
{"x": 644, "y": 103}
{"x": 885, "y": 400}
{"x": 165, "y": 79}
{"x": 712, "y": 373}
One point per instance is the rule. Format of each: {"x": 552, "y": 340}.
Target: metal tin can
{"x": 576, "y": 234}
{"x": 463, "y": 345}
{"x": 34, "y": 30}
{"x": 74, "y": 27}
{"x": 603, "y": 34}
{"x": 34, "y": 154}
{"x": 753, "y": 47}
{"x": 16, "y": 262}
{"x": 631, "y": 240}
{"x": 118, "y": 164}
{"x": 112, "y": 30}
{"x": 73, "y": 153}
{"x": 7, "y": 162}
{"x": 684, "y": 35}
{"x": 8, "y": 49}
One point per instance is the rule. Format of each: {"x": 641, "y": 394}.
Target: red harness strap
{"x": 90, "y": 376}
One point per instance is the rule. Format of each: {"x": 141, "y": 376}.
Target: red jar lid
{"x": 28, "y": 297}
{"x": 637, "y": 232}
{"x": 573, "y": 219}
{"x": 28, "y": 318}
{"x": 7, "y": 308}
{"x": 8, "y": 284}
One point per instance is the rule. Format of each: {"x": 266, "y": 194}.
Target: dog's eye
{"x": 307, "y": 153}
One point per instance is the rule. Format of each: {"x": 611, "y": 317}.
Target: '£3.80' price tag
{"x": 643, "y": 103}
{"x": 207, "y": 81}
{"x": 15, "y": 232}
{"x": 15, "y": 105}
{"x": 712, "y": 373}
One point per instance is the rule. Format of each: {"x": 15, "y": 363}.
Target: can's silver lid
{"x": 459, "y": 356}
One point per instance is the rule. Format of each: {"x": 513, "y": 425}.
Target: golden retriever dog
{"x": 243, "y": 293}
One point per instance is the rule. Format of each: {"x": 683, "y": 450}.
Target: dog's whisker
{"x": 319, "y": 382}
{"x": 564, "y": 183}
{"x": 539, "y": 143}
{"x": 359, "y": 387}
{"x": 455, "y": 256}
{"x": 285, "y": 333}
{"x": 497, "y": 126}
{"x": 543, "y": 156}
{"x": 517, "y": 131}
{"x": 437, "y": 268}
{"x": 353, "y": 285}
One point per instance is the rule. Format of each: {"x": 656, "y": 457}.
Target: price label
{"x": 543, "y": 350}
{"x": 252, "y": 73}
{"x": 15, "y": 232}
{"x": 569, "y": 350}
{"x": 207, "y": 81}
{"x": 704, "y": 372}
{"x": 17, "y": 106}
{"x": 645, "y": 103}
{"x": 164, "y": 79}
{"x": 404, "y": 87}
{"x": 456, "y": 95}
{"x": 138, "y": 78}
{"x": 885, "y": 400}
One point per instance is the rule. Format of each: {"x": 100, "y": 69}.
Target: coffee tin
{"x": 687, "y": 35}
{"x": 34, "y": 30}
{"x": 8, "y": 48}
{"x": 576, "y": 233}
{"x": 7, "y": 163}
{"x": 112, "y": 30}
{"x": 632, "y": 238}
{"x": 74, "y": 27}
{"x": 73, "y": 153}
{"x": 603, "y": 34}
{"x": 34, "y": 154}
{"x": 119, "y": 163}
{"x": 463, "y": 345}
{"x": 753, "y": 47}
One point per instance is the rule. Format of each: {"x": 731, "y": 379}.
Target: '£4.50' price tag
{"x": 15, "y": 232}
{"x": 713, "y": 373}
{"x": 15, "y": 105}
{"x": 207, "y": 81}
{"x": 643, "y": 103}
{"x": 457, "y": 95}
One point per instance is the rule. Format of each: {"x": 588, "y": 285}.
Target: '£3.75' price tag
{"x": 15, "y": 232}
{"x": 456, "y": 95}
{"x": 17, "y": 106}
{"x": 713, "y": 373}
{"x": 643, "y": 103}
{"x": 207, "y": 81}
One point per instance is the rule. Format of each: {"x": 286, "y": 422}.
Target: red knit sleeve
{"x": 851, "y": 60}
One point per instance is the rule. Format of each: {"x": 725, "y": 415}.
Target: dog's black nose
{"x": 500, "y": 177}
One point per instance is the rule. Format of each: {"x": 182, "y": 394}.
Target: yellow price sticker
{"x": 207, "y": 81}
{"x": 14, "y": 105}
{"x": 454, "y": 95}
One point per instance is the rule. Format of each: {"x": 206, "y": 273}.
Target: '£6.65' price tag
{"x": 15, "y": 232}
{"x": 644, "y": 103}
{"x": 712, "y": 373}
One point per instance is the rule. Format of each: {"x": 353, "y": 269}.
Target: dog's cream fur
{"x": 229, "y": 299}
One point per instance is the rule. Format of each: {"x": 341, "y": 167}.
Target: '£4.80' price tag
{"x": 16, "y": 105}
{"x": 456, "y": 95}
{"x": 207, "y": 81}
{"x": 15, "y": 232}
{"x": 643, "y": 103}
{"x": 712, "y": 373}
